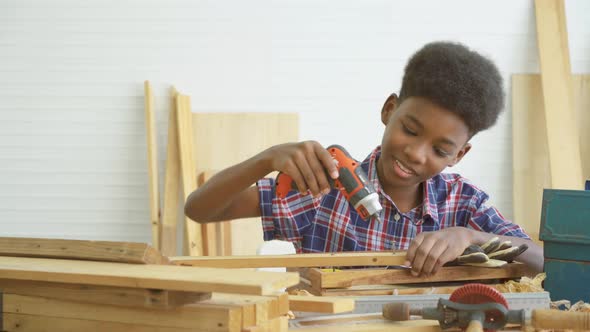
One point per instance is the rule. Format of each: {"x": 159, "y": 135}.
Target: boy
{"x": 448, "y": 94}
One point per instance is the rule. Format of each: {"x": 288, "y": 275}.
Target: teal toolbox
{"x": 565, "y": 232}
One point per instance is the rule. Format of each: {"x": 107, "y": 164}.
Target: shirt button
{"x": 396, "y": 217}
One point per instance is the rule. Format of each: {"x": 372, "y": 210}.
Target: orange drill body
{"x": 352, "y": 182}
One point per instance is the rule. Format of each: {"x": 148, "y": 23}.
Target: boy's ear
{"x": 461, "y": 154}
{"x": 388, "y": 107}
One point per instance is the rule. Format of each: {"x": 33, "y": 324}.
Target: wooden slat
{"x": 36, "y": 323}
{"x": 152, "y": 159}
{"x": 206, "y": 317}
{"x": 297, "y": 260}
{"x": 562, "y": 131}
{"x": 348, "y": 278}
{"x": 193, "y": 236}
{"x": 145, "y": 276}
{"x": 107, "y": 251}
{"x": 168, "y": 243}
{"x": 121, "y": 296}
{"x": 210, "y": 237}
{"x": 322, "y": 304}
{"x": 530, "y": 153}
{"x": 221, "y": 140}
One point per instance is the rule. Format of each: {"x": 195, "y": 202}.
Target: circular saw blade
{"x": 480, "y": 293}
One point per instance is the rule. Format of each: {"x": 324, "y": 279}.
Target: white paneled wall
{"x": 72, "y": 135}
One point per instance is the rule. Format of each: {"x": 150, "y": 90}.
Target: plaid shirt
{"x": 329, "y": 224}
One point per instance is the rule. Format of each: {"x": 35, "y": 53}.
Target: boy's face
{"x": 420, "y": 140}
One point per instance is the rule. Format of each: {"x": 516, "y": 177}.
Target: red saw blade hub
{"x": 477, "y": 294}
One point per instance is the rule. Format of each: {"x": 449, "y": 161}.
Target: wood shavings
{"x": 525, "y": 285}
{"x": 300, "y": 292}
{"x": 579, "y": 306}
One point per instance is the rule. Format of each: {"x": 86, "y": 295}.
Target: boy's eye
{"x": 408, "y": 130}
{"x": 441, "y": 153}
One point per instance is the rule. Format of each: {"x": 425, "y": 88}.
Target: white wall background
{"x": 72, "y": 136}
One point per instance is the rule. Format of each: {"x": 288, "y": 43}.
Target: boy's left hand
{"x": 429, "y": 251}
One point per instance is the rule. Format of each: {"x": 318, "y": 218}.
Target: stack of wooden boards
{"x": 373, "y": 279}
{"x": 69, "y": 285}
{"x": 73, "y": 285}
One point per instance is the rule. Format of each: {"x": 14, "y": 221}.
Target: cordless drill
{"x": 352, "y": 183}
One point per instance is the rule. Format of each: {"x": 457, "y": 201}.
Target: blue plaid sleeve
{"x": 488, "y": 219}
{"x": 288, "y": 218}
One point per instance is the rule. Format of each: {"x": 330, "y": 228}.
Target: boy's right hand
{"x": 306, "y": 163}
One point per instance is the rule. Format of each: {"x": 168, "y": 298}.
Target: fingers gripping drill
{"x": 352, "y": 183}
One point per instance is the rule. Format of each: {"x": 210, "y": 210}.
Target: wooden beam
{"x": 152, "y": 159}
{"x": 215, "y": 318}
{"x": 322, "y": 304}
{"x": 121, "y": 296}
{"x": 348, "y": 278}
{"x": 193, "y": 237}
{"x": 298, "y": 260}
{"x": 36, "y": 323}
{"x": 562, "y": 131}
{"x": 168, "y": 244}
{"x": 145, "y": 276}
{"x": 107, "y": 251}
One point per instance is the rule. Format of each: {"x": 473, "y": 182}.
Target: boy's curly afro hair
{"x": 458, "y": 79}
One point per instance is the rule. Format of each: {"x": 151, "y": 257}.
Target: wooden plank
{"x": 562, "y": 132}
{"x": 356, "y": 258}
{"x": 193, "y": 237}
{"x": 107, "y": 251}
{"x": 152, "y": 159}
{"x": 531, "y": 170}
{"x": 225, "y": 139}
{"x": 530, "y": 153}
{"x": 581, "y": 85}
{"x": 207, "y": 317}
{"x": 375, "y": 326}
{"x": 163, "y": 277}
{"x": 209, "y": 230}
{"x": 168, "y": 244}
{"x": 322, "y": 304}
{"x": 122, "y": 296}
{"x": 348, "y": 278}
{"x": 369, "y": 290}
{"x": 36, "y": 323}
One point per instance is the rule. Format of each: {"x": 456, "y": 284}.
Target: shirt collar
{"x": 429, "y": 206}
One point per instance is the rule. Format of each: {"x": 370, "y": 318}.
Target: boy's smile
{"x": 421, "y": 139}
